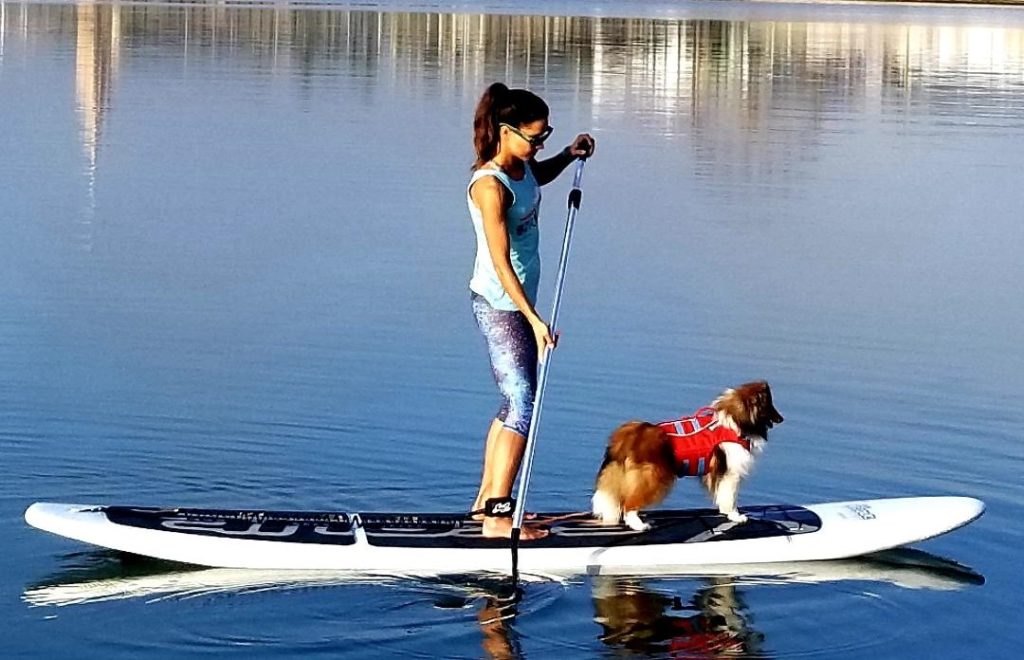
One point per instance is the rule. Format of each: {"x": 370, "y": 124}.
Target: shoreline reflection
{"x": 753, "y": 101}
{"x": 681, "y": 61}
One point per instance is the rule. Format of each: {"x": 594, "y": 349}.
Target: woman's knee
{"x": 520, "y": 414}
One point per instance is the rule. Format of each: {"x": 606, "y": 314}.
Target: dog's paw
{"x": 737, "y": 517}
{"x": 632, "y": 520}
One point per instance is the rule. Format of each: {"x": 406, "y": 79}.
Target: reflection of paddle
{"x": 575, "y": 195}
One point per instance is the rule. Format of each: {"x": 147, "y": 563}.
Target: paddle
{"x": 575, "y": 196}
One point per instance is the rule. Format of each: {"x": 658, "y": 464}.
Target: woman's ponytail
{"x": 501, "y": 105}
{"x": 485, "y": 127}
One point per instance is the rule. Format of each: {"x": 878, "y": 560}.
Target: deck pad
{"x": 289, "y": 526}
{"x": 574, "y": 530}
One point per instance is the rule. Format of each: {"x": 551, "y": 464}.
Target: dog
{"x": 718, "y": 444}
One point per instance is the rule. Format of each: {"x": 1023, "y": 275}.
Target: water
{"x": 233, "y": 273}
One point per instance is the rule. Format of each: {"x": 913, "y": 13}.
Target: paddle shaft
{"x": 575, "y": 196}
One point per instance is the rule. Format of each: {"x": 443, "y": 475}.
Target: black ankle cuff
{"x": 499, "y": 507}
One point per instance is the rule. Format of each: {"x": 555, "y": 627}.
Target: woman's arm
{"x": 546, "y": 171}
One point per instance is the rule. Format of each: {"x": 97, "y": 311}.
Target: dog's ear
{"x": 763, "y": 408}
{"x": 735, "y": 404}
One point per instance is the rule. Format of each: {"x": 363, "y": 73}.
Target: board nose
{"x": 967, "y": 508}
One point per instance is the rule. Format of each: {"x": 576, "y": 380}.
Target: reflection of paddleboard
{"x": 110, "y": 579}
{"x": 903, "y": 567}
{"x": 450, "y": 543}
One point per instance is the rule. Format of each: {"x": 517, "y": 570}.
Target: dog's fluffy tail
{"x": 607, "y": 507}
{"x": 631, "y": 445}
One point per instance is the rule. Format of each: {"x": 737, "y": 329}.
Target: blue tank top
{"x": 523, "y": 236}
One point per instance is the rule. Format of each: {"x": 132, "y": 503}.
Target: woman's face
{"x": 525, "y": 140}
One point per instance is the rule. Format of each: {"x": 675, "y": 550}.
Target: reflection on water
{"x": 639, "y": 614}
{"x": 98, "y": 575}
{"x": 97, "y": 51}
{"x": 714, "y": 621}
{"x": 701, "y": 74}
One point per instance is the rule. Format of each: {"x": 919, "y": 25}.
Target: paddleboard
{"x": 444, "y": 543}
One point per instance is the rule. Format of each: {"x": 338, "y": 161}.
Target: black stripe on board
{"x": 445, "y": 530}
{"x": 678, "y": 526}
{"x": 289, "y": 526}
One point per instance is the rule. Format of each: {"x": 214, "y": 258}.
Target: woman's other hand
{"x": 542, "y": 333}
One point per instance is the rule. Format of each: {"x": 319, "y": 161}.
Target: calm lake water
{"x": 233, "y": 272}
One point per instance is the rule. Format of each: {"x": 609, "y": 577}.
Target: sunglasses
{"x": 533, "y": 140}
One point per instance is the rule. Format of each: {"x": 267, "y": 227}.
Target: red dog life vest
{"x": 694, "y": 440}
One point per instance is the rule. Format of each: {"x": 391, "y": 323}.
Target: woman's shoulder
{"x": 487, "y": 182}
{"x": 486, "y": 170}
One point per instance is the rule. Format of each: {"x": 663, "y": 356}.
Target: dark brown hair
{"x": 501, "y": 105}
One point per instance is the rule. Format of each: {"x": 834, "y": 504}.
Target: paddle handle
{"x": 575, "y": 197}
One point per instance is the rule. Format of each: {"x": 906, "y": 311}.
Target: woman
{"x": 510, "y": 127}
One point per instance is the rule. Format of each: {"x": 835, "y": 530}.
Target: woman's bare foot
{"x": 501, "y": 528}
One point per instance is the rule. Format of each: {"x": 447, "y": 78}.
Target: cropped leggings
{"x": 513, "y": 351}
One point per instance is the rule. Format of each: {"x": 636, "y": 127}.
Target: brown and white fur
{"x": 639, "y": 466}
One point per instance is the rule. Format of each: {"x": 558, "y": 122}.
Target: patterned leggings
{"x": 512, "y": 347}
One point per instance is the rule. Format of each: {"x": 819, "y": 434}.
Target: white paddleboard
{"x": 418, "y": 543}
